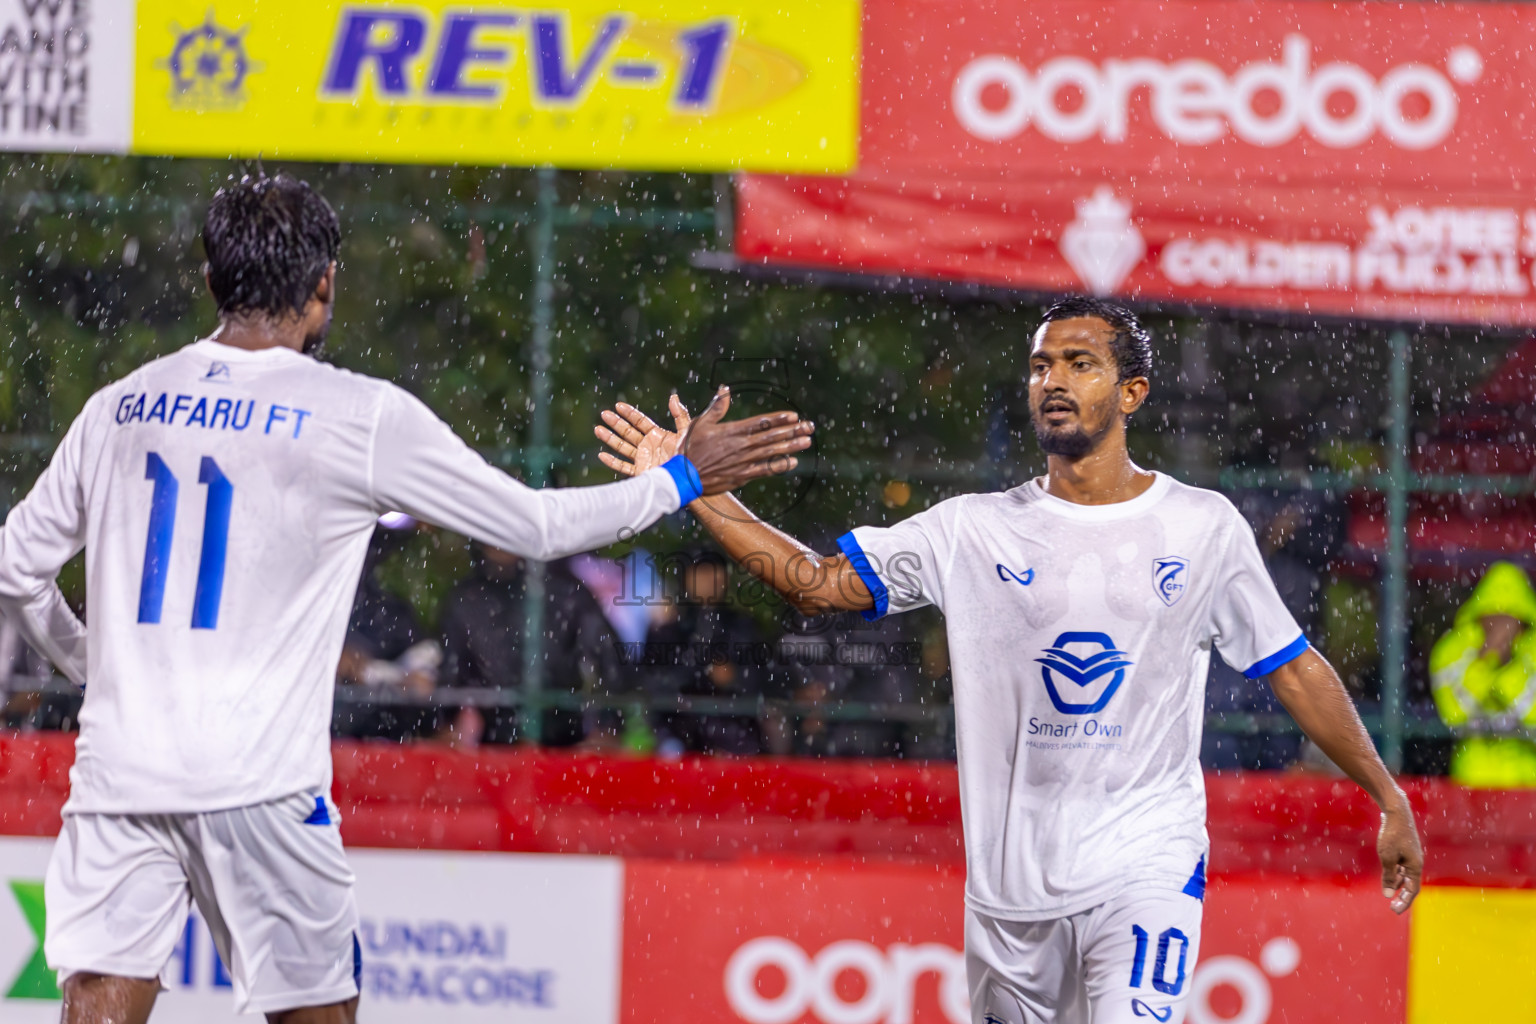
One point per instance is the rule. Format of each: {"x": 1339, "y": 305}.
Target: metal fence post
{"x": 1394, "y": 579}
{"x": 538, "y": 456}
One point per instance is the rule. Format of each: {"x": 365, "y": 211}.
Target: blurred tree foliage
{"x": 916, "y": 396}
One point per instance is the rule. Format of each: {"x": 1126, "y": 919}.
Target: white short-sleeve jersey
{"x": 1079, "y": 642}
{"x": 225, "y": 500}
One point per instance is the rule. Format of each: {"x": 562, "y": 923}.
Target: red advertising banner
{"x": 1354, "y": 159}
{"x": 749, "y": 943}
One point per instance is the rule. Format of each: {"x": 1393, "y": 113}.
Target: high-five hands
{"x": 726, "y": 455}
{"x": 640, "y": 441}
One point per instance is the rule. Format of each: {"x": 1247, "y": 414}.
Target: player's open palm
{"x": 639, "y": 441}
{"x": 726, "y": 455}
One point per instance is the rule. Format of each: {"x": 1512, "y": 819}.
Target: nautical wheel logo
{"x": 209, "y": 65}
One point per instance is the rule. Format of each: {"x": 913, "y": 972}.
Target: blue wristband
{"x": 689, "y": 487}
{"x": 860, "y": 562}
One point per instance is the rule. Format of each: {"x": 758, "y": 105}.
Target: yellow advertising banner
{"x": 1472, "y": 956}
{"x": 640, "y": 84}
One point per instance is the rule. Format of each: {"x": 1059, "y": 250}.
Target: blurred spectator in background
{"x": 25, "y": 678}
{"x": 845, "y": 658}
{"x": 386, "y": 651}
{"x": 629, "y": 591}
{"x": 1298, "y": 534}
{"x": 659, "y": 666}
{"x": 933, "y": 740}
{"x": 625, "y": 588}
{"x": 1483, "y": 672}
{"x": 705, "y": 648}
{"x": 482, "y": 622}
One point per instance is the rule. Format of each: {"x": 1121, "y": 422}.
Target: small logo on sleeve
{"x": 1005, "y": 574}
{"x": 1170, "y": 578}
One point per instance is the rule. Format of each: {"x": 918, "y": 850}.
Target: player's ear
{"x": 325, "y": 290}
{"x": 1133, "y": 393}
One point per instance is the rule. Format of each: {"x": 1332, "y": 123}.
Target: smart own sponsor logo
{"x": 1091, "y": 663}
{"x": 1195, "y": 102}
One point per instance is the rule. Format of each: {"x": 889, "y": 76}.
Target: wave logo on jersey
{"x": 1089, "y": 660}
{"x": 1170, "y": 577}
{"x": 1005, "y": 574}
{"x": 1155, "y": 1012}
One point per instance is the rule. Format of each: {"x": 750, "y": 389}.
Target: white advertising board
{"x": 456, "y": 938}
{"x": 66, "y": 75}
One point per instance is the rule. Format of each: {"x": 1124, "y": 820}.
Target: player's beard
{"x": 1071, "y": 442}
{"x": 314, "y": 341}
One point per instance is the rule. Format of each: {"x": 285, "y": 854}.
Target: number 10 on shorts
{"x": 1160, "y": 968}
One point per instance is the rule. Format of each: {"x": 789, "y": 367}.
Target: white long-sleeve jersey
{"x": 225, "y": 500}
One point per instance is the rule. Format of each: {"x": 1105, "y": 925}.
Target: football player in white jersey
{"x": 1081, "y": 610}
{"x": 225, "y": 495}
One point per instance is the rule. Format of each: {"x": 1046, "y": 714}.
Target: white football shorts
{"x": 271, "y": 880}
{"x": 1128, "y": 961}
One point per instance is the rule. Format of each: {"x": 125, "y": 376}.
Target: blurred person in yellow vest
{"x": 1484, "y": 676}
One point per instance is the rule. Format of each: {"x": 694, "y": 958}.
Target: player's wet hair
{"x": 269, "y": 242}
{"x": 1131, "y": 342}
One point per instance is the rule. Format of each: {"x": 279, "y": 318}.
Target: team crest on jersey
{"x": 1170, "y": 577}
{"x": 1091, "y": 662}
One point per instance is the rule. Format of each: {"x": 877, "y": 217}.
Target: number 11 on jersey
{"x": 162, "y": 529}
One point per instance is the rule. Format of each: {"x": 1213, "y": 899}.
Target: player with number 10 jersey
{"x": 1081, "y": 609}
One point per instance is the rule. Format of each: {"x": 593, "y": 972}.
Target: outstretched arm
{"x": 813, "y": 583}
{"x": 1311, "y": 691}
{"x": 421, "y": 467}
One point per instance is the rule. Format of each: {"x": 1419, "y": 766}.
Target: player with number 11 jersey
{"x": 225, "y": 496}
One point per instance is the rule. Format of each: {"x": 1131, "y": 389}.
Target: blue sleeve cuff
{"x": 860, "y": 562}
{"x": 689, "y": 487}
{"x": 1290, "y": 652}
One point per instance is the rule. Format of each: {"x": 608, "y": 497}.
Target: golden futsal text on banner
{"x": 649, "y": 84}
